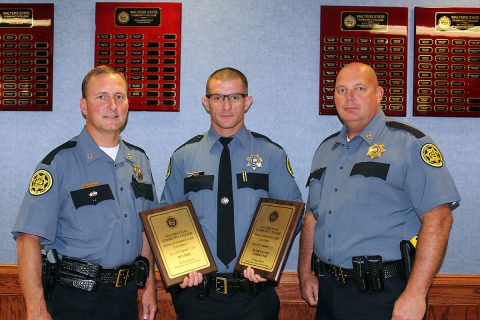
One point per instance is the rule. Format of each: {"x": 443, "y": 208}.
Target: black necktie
{"x": 225, "y": 223}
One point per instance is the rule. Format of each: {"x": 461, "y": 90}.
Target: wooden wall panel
{"x": 451, "y": 297}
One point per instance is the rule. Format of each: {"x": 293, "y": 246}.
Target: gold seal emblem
{"x": 254, "y": 161}
{"x": 123, "y": 17}
{"x": 40, "y": 183}
{"x": 289, "y": 167}
{"x": 350, "y": 21}
{"x": 444, "y": 23}
{"x": 172, "y": 222}
{"x": 138, "y": 172}
{"x": 431, "y": 155}
{"x": 375, "y": 151}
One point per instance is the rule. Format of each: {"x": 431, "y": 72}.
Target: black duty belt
{"x": 118, "y": 277}
{"x": 226, "y": 283}
{"x": 85, "y": 275}
{"x": 391, "y": 269}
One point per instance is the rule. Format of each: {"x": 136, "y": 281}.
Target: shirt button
{"x": 329, "y": 260}
{"x": 341, "y": 167}
{"x": 348, "y": 147}
{"x": 121, "y": 188}
{"x": 335, "y": 189}
{"x": 329, "y": 235}
{"x": 125, "y": 215}
{"x": 329, "y": 211}
{"x": 128, "y": 241}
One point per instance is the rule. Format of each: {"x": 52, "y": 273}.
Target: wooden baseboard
{"x": 451, "y": 297}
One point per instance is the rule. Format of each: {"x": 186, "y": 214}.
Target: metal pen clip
{"x": 195, "y": 174}
{"x": 244, "y": 175}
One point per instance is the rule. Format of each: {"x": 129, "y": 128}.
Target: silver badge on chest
{"x": 254, "y": 161}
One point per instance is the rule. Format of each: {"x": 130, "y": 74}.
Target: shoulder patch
{"x": 49, "y": 158}
{"x": 261, "y": 136}
{"x": 431, "y": 155}
{"x": 402, "y": 126}
{"x": 289, "y": 167}
{"x": 195, "y": 139}
{"x": 40, "y": 183}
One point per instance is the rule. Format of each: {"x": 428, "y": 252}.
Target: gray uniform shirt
{"x": 85, "y": 205}
{"x": 193, "y": 176}
{"x": 368, "y": 194}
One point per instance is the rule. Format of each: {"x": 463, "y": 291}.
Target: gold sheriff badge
{"x": 375, "y": 151}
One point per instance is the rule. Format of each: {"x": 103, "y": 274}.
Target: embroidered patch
{"x": 40, "y": 183}
{"x": 169, "y": 170}
{"x": 431, "y": 155}
{"x": 289, "y": 167}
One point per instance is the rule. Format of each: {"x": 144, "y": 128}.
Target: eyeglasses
{"x": 220, "y": 98}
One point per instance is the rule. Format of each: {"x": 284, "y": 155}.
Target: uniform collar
{"x": 91, "y": 152}
{"x": 241, "y": 136}
{"x": 368, "y": 133}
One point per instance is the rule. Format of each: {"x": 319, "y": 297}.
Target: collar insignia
{"x": 138, "y": 172}
{"x": 368, "y": 136}
{"x": 129, "y": 156}
{"x": 254, "y": 161}
{"x": 375, "y": 151}
{"x": 89, "y": 156}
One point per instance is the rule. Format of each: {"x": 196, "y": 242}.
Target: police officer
{"x": 83, "y": 201}
{"x": 373, "y": 184}
{"x": 259, "y": 168}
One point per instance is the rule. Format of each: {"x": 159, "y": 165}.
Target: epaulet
{"x": 67, "y": 145}
{"x": 331, "y": 136}
{"x": 261, "y": 136}
{"x": 195, "y": 139}
{"x": 134, "y": 147}
{"x": 402, "y": 126}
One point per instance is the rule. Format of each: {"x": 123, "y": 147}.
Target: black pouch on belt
{"x": 375, "y": 272}
{"x": 80, "y": 274}
{"x": 141, "y": 265}
{"x": 360, "y": 273}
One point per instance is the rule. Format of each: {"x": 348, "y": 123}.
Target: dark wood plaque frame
{"x": 285, "y": 242}
{"x": 150, "y": 233}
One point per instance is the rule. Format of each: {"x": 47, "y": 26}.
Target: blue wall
{"x": 276, "y": 44}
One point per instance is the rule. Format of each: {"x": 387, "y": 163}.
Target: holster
{"x": 141, "y": 267}
{"x": 49, "y": 273}
{"x": 407, "y": 251}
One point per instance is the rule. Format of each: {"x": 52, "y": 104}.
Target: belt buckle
{"x": 339, "y": 274}
{"x": 122, "y": 277}
{"x": 221, "y": 285}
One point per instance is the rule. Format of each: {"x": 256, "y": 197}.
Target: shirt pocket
{"x": 364, "y": 179}
{"x": 197, "y": 183}
{"x": 256, "y": 181}
{"x": 142, "y": 190}
{"x": 91, "y": 196}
